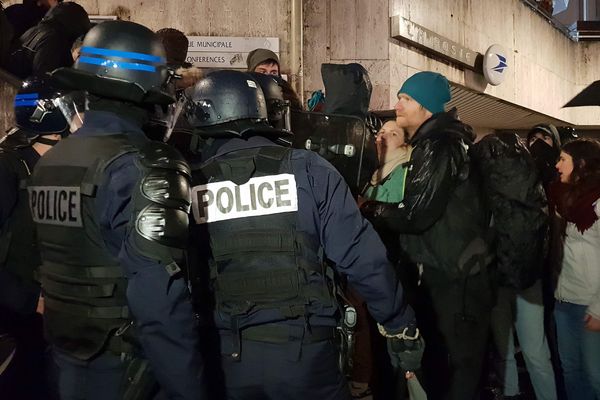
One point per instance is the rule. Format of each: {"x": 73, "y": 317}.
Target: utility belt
{"x": 120, "y": 342}
{"x": 278, "y": 333}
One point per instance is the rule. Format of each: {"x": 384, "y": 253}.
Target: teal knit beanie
{"x": 429, "y": 89}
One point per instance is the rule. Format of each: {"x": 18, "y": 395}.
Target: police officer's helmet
{"x": 567, "y": 134}
{"x": 36, "y": 109}
{"x": 121, "y": 60}
{"x": 277, "y": 106}
{"x": 228, "y": 103}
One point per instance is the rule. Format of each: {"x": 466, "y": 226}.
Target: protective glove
{"x": 375, "y": 212}
{"x": 373, "y": 123}
{"x": 405, "y": 349}
{"x": 406, "y": 353}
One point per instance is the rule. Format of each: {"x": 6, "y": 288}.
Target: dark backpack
{"x": 517, "y": 201}
{"x": 347, "y": 89}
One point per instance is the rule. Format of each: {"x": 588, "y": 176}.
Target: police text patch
{"x": 263, "y": 195}
{"x": 55, "y": 205}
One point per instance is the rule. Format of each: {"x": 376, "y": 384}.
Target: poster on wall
{"x": 226, "y": 52}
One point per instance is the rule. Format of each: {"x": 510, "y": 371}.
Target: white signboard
{"x": 226, "y": 52}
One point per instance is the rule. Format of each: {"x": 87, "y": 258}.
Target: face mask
{"x": 545, "y": 157}
{"x": 543, "y": 152}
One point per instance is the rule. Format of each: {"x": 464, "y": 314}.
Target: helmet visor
{"x": 73, "y": 106}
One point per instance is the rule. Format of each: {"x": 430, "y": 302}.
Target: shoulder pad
{"x": 162, "y": 156}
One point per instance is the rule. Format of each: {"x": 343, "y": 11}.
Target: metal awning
{"x": 482, "y": 110}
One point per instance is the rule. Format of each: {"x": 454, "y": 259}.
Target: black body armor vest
{"x": 83, "y": 283}
{"x": 258, "y": 259}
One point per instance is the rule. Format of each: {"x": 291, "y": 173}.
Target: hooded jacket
{"x": 518, "y": 203}
{"x": 443, "y": 221}
{"x": 47, "y": 46}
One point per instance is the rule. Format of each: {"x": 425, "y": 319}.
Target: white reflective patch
{"x": 263, "y": 195}
{"x": 55, "y": 205}
{"x": 251, "y": 83}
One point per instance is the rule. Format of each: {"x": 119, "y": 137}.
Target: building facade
{"x": 545, "y": 68}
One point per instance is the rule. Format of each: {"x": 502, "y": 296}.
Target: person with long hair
{"x": 577, "y": 311}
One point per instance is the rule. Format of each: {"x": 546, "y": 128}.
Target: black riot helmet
{"x": 120, "y": 60}
{"x": 228, "y": 103}
{"x": 278, "y": 108}
{"x": 37, "y": 111}
{"x": 567, "y": 134}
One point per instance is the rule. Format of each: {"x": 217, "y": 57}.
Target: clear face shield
{"x": 73, "y": 106}
{"x": 280, "y": 115}
{"x": 163, "y": 120}
{"x": 173, "y": 113}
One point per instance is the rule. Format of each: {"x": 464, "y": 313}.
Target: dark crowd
{"x": 168, "y": 232}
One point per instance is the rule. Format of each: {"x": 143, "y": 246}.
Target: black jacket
{"x": 518, "y": 204}
{"x": 442, "y": 221}
{"x": 47, "y": 46}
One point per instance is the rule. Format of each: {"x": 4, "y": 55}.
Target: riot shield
{"x": 343, "y": 140}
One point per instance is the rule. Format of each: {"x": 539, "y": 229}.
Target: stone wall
{"x": 546, "y": 68}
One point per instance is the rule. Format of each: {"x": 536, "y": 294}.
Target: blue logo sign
{"x": 501, "y": 64}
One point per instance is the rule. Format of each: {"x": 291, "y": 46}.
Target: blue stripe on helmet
{"x": 26, "y": 103}
{"x": 27, "y": 96}
{"x": 116, "y": 64}
{"x": 122, "y": 54}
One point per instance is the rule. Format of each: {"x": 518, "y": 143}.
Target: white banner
{"x": 226, "y": 52}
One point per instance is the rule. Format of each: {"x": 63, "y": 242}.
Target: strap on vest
{"x": 253, "y": 241}
{"x": 245, "y": 162}
{"x": 75, "y": 290}
{"x": 269, "y": 158}
{"x": 77, "y": 271}
{"x": 89, "y": 183}
{"x": 80, "y": 310}
{"x": 280, "y": 333}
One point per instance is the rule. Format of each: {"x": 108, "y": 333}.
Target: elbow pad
{"x": 162, "y": 203}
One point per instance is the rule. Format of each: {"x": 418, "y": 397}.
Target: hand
{"x": 591, "y": 323}
{"x": 370, "y": 208}
{"x": 40, "y": 305}
{"x": 360, "y": 201}
{"x": 405, "y": 353}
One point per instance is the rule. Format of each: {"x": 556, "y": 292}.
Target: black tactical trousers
{"x": 290, "y": 371}
{"x": 454, "y": 318}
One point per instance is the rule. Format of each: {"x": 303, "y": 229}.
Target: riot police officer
{"x": 40, "y": 124}
{"x": 111, "y": 213}
{"x": 278, "y": 108}
{"x": 266, "y": 218}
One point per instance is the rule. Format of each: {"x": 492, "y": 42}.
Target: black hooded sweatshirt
{"x": 47, "y": 46}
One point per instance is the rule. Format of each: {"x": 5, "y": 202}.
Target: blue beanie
{"x": 429, "y": 89}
